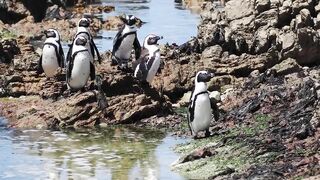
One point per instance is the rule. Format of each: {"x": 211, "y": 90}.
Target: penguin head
{"x": 52, "y": 33}
{"x": 203, "y": 76}
{"x": 129, "y": 20}
{"x": 81, "y": 41}
{"x": 84, "y": 22}
{"x": 151, "y": 39}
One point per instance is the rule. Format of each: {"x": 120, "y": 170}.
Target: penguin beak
{"x": 212, "y": 75}
{"x": 158, "y": 38}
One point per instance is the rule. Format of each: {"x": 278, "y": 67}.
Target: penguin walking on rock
{"x": 146, "y": 67}
{"x": 124, "y": 41}
{"x": 52, "y": 54}
{"x": 200, "y": 111}
{"x": 80, "y": 66}
{"x": 82, "y": 30}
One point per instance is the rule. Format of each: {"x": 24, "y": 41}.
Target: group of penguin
{"x": 79, "y": 64}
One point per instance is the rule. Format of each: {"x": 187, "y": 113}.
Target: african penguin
{"x": 123, "y": 42}
{"x": 200, "y": 110}
{"x": 52, "y": 54}
{"x": 146, "y": 67}
{"x": 82, "y": 30}
{"x": 80, "y": 66}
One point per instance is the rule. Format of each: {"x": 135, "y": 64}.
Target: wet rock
{"x": 287, "y": 66}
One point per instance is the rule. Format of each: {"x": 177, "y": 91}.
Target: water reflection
{"x": 113, "y": 153}
{"x": 162, "y": 17}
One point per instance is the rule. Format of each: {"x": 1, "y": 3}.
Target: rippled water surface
{"x": 162, "y": 17}
{"x": 111, "y": 153}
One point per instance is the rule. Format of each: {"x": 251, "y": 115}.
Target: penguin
{"x": 125, "y": 39}
{"x": 200, "y": 112}
{"x": 82, "y": 30}
{"x": 146, "y": 67}
{"x": 80, "y": 67}
{"x": 52, "y": 54}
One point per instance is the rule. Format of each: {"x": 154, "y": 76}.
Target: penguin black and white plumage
{"x": 80, "y": 66}
{"x": 200, "y": 110}
{"x": 52, "y": 54}
{"x": 146, "y": 67}
{"x": 124, "y": 41}
{"x": 82, "y": 30}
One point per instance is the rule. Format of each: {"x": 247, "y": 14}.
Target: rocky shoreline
{"x": 265, "y": 56}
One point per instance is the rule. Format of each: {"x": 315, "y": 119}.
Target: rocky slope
{"x": 269, "y": 124}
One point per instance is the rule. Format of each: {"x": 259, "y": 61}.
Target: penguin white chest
{"x": 125, "y": 48}
{"x": 49, "y": 60}
{"x": 202, "y": 113}
{"x": 154, "y": 67}
{"x": 80, "y": 71}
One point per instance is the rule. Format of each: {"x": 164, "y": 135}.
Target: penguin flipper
{"x": 96, "y": 50}
{"x": 61, "y": 55}
{"x": 190, "y": 113}
{"x": 161, "y": 66}
{"x": 92, "y": 71}
{"x": 39, "y": 66}
{"x": 214, "y": 108}
{"x": 69, "y": 52}
{"x": 69, "y": 68}
{"x": 137, "y": 47}
{"x": 117, "y": 41}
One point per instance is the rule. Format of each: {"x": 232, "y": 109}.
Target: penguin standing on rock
{"x": 82, "y": 30}
{"x": 123, "y": 42}
{"x": 200, "y": 110}
{"x": 52, "y": 54}
{"x": 146, "y": 67}
{"x": 80, "y": 66}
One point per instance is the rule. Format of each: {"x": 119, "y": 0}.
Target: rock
{"x": 303, "y": 19}
{"x": 267, "y": 18}
{"x": 317, "y": 8}
{"x": 254, "y": 74}
{"x": 184, "y": 101}
{"x": 309, "y": 44}
{"x": 236, "y": 9}
{"x": 261, "y": 42}
{"x": 298, "y": 5}
{"x": 212, "y": 52}
{"x": 287, "y": 66}
{"x": 262, "y": 5}
{"x": 215, "y": 95}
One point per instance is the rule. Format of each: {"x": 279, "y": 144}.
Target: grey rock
{"x": 212, "y": 52}
{"x": 184, "y": 101}
{"x": 303, "y": 19}
{"x": 287, "y": 66}
{"x": 215, "y": 95}
{"x": 236, "y": 9}
{"x": 262, "y": 5}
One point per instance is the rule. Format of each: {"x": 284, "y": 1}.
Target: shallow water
{"x": 163, "y": 17}
{"x": 111, "y": 153}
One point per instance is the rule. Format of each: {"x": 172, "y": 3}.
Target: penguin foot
{"x": 125, "y": 69}
{"x": 114, "y": 62}
{"x": 207, "y": 133}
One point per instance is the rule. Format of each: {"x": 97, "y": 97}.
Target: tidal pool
{"x": 106, "y": 153}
